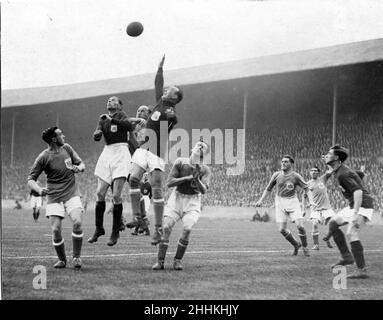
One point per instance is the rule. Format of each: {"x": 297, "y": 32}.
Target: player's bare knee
{"x": 77, "y": 226}
{"x": 167, "y": 230}
{"x": 186, "y": 232}
{"x": 100, "y": 194}
{"x": 117, "y": 199}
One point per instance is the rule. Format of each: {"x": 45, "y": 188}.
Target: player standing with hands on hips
{"x": 60, "y": 163}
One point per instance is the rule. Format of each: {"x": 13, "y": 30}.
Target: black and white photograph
{"x": 209, "y": 151}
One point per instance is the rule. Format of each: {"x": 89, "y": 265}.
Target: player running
{"x": 146, "y": 160}
{"x": 60, "y": 163}
{"x": 191, "y": 180}
{"x": 319, "y": 202}
{"x": 36, "y": 201}
{"x": 356, "y": 215}
{"x": 287, "y": 204}
{"x": 113, "y": 165}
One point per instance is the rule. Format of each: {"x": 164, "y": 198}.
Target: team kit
{"x": 126, "y": 158}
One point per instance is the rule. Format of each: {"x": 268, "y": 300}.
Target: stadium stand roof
{"x": 339, "y": 55}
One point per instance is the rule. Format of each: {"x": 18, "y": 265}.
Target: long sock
{"x": 135, "y": 197}
{"x": 341, "y": 243}
{"x": 162, "y": 248}
{"x": 158, "y": 206}
{"x": 142, "y": 208}
{"x": 99, "y": 214}
{"x": 333, "y": 226}
{"x": 302, "y": 235}
{"x": 316, "y": 238}
{"x": 357, "y": 252}
{"x": 181, "y": 248}
{"x": 60, "y": 249}
{"x": 289, "y": 237}
{"x": 117, "y": 215}
{"x": 77, "y": 243}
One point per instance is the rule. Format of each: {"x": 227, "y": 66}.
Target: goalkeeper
{"x": 191, "y": 178}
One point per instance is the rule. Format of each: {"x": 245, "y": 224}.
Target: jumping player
{"x": 191, "y": 180}
{"x": 113, "y": 165}
{"x": 319, "y": 202}
{"x": 286, "y": 202}
{"x": 60, "y": 163}
{"x": 359, "y": 211}
{"x": 146, "y": 160}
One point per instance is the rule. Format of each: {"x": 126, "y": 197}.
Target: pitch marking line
{"x": 114, "y": 255}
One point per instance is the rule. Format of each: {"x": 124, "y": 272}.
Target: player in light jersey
{"x": 147, "y": 160}
{"x": 191, "y": 178}
{"x": 287, "y": 204}
{"x": 36, "y": 201}
{"x": 60, "y": 163}
{"x": 319, "y": 201}
{"x": 358, "y": 212}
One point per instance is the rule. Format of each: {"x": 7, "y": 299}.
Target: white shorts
{"x": 147, "y": 160}
{"x": 146, "y": 200}
{"x": 114, "y": 162}
{"x": 322, "y": 215}
{"x": 287, "y": 208}
{"x": 60, "y": 208}
{"x": 36, "y": 202}
{"x": 347, "y": 213}
{"x": 184, "y": 207}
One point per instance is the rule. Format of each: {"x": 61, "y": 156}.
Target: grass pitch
{"x": 226, "y": 259}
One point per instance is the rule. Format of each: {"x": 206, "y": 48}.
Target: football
{"x": 134, "y": 29}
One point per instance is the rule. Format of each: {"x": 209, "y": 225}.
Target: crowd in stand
{"x": 264, "y": 149}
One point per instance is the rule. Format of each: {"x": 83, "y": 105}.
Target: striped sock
{"x": 59, "y": 246}
{"x": 181, "y": 248}
{"x": 158, "y": 206}
{"x": 162, "y": 248}
{"x": 77, "y": 243}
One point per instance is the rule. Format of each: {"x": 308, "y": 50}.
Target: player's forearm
{"x": 201, "y": 186}
{"x": 173, "y": 182}
{"x": 358, "y": 198}
{"x": 126, "y": 124}
{"x": 264, "y": 195}
{"x": 159, "y": 83}
{"x": 32, "y": 184}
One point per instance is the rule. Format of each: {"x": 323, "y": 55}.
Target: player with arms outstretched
{"x": 60, "y": 163}
{"x": 191, "y": 178}
{"x": 147, "y": 160}
{"x": 287, "y": 204}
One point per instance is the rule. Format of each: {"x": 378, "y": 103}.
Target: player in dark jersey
{"x": 287, "y": 204}
{"x": 113, "y": 165}
{"x": 60, "y": 163}
{"x": 150, "y": 155}
{"x": 191, "y": 177}
{"x": 359, "y": 211}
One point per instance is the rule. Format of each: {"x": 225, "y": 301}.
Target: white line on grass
{"x": 114, "y": 255}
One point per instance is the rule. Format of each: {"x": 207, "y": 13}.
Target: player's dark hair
{"x": 289, "y": 157}
{"x": 341, "y": 152}
{"x": 49, "y": 134}
{"x": 119, "y": 101}
{"x": 180, "y": 94}
{"x": 316, "y": 167}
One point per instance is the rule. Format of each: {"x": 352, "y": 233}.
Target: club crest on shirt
{"x": 156, "y": 116}
{"x": 113, "y": 128}
{"x": 68, "y": 163}
{"x": 321, "y": 185}
{"x": 289, "y": 186}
